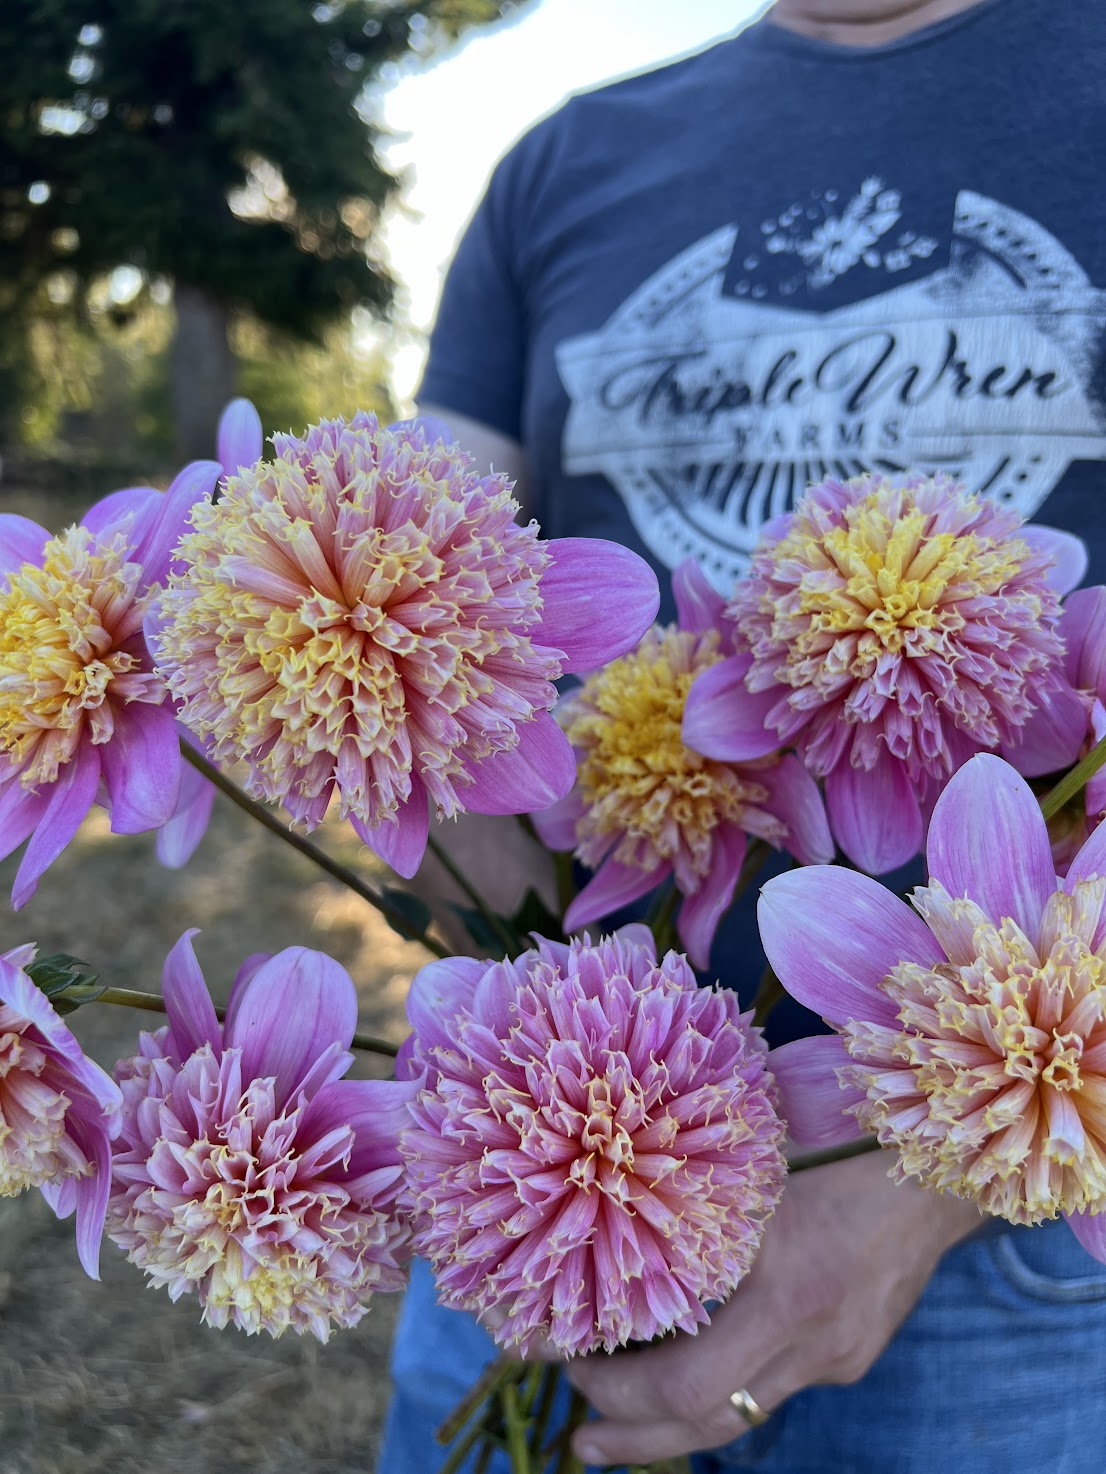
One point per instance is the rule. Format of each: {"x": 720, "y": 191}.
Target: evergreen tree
{"x": 213, "y": 143}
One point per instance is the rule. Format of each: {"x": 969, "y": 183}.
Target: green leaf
{"x": 479, "y": 929}
{"x": 412, "y": 915}
{"x": 67, "y": 981}
{"x": 535, "y": 916}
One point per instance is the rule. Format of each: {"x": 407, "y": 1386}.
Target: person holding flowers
{"x": 833, "y": 249}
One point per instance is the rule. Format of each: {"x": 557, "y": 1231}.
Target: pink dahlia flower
{"x": 363, "y": 615}
{"x": 248, "y": 1172}
{"x": 1083, "y": 630}
{"x": 58, "y": 1110}
{"x": 888, "y": 630}
{"x": 646, "y": 807}
{"x": 972, "y": 1028}
{"x": 83, "y": 714}
{"x": 240, "y": 446}
{"x": 595, "y": 1150}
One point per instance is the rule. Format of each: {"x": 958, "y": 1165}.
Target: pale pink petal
{"x": 598, "y": 597}
{"x": 293, "y": 1007}
{"x": 701, "y": 912}
{"x": 92, "y": 1200}
{"x": 433, "y": 429}
{"x": 1067, "y": 552}
{"x": 537, "y": 773}
{"x": 70, "y": 799}
{"x": 438, "y": 992}
{"x": 62, "y": 1196}
{"x": 192, "y": 1020}
{"x": 796, "y": 799}
{"x": 251, "y": 965}
{"x": 988, "y": 841}
{"x": 375, "y": 1110}
{"x": 874, "y": 814}
{"x": 401, "y": 844}
{"x": 1090, "y": 1230}
{"x": 1083, "y": 630}
{"x": 21, "y": 995}
{"x": 725, "y": 721}
{"x": 1052, "y": 737}
{"x": 21, "y": 541}
{"x": 177, "y": 840}
{"x": 832, "y": 935}
{"x": 699, "y": 605}
{"x": 142, "y": 768}
{"x": 240, "y": 441}
{"x": 613, "y": 886}
{"x": 134, "y": 506}
{"x": 811, "y": 1101}
{"x": 20, "y": 812}
{"x": 197, "y": 482}
{"x": 556, "y": 826}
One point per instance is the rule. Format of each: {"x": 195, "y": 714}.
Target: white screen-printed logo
{"x": 710, "y": 413}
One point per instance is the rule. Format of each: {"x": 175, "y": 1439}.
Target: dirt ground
{"x": 112, "y": 1378}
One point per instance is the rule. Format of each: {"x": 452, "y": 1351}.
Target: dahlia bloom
{"x": 972, "y": 1028}
{"x": 58, "y": 1110}
{"x": 646, "y": 807}
{"x": 594, "y": 1149}
{"x": 363, "y": 615}
{"x": 240, "y": 445}
{"x": 888, "y": 630}
{"x": 83, "y": 714}
{"x": 1083, "y": 630}
{"x": 248, "y": 1172}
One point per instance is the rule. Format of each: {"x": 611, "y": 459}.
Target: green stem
{"x": 460, "y": 1452}
{"x": 769, "y": 992}
{"x": 755, "y": 856}
{"x": 392, "y": 914}
{"x": 566, "y": 880}
{"x": 507, "y": 938}
{"x": 809, "y": 1160}
{"x": 154, "y": 1003}
{"x": 661, "y": 920}
{"x": 547, "y": 1394}
{"x": 480, "y": 1392}
{"x": 516, "y": 1428}
{"x": 1070, "y": 784}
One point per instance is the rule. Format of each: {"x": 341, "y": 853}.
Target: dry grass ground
{"x": 112, "y": 1378}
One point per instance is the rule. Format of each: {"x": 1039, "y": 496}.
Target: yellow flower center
{"x": 61, "y": 629}
{"x": 638, "y": 781}
{"x": 883, "y": 578}
{"x": 995, "y": 1087}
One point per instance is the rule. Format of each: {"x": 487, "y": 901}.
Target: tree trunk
{"x": 201, "y": 370}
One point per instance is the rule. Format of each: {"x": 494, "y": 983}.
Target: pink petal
{"x": 832, "y": 937}
{"x": 401, "y": 844}
{"x": 539, "y": 772}
{"x": 701, "y": 912}
{"x": 21, "y": 541}
{"x": 438, "y": 992}
{"x": 177, "y": 840}
{"x": 92, "y": 1202}
{"x": 192, "y": 1019}
{"x": 142, "y": 768}
{"x": 1083, "y": 629}
{"x": 811, "y": 1101}
{"x": 1052, "y": 737}
{"x": 376, "y": 1110}
{"x": 725, "y": 721}
{"x": 1067, "y": 552}
{"x": 433, "y": 429}
{"x": 295, "y": 1006}
{"x": 21, "y": 995}
{"x": 62, "y": 1196}
{"x": 252, "y": 964}
{"x": 556, "y": 826}
{"x": 987, "y": 841}
{"x": 699, "y": 605}
{"x": 135, "y": 505}
{"x": 795, "y": 798}
{"x": 20, "y": 812}
{"x": 1090, "y": 1230}
{"x": 70, "y": 799}
{"x": 874, "y": 814}
{"x": 599, "y": 598}
{"x": 240, "y": 439}
{"x": 197, "y": 482}
{"x": 613, "y": 886}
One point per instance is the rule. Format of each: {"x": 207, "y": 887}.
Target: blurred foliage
{"x": 219, "y": 143}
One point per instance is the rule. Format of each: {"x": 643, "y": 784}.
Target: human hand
{"x": 841, "y": 1265}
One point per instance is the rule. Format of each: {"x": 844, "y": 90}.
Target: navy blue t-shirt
{"x": 693, "y": 292}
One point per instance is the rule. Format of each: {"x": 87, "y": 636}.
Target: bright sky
{"x": 455, "y": 119}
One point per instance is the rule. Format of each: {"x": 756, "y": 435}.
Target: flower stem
{"x": 769, "y": 992}
{"x": 516, "y": 1428}
{"x": 481, "y": 1390}
{"x": 506, "y": 937}
{"x": 153, "y": 1003}
{"x": 391, "y": 913}
{"x": 808, "y": 1160}
{"x": 661, "y": 920}
{"x": 1070, "y": 784}
{"x": 755, "y": 856}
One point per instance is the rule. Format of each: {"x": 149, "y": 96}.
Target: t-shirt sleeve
{"x": 476, "y": 363}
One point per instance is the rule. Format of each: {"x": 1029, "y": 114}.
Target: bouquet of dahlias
{"x": 584, "y": 1139}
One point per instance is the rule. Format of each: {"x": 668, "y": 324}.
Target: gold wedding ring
{"x": 748, "y": 1407}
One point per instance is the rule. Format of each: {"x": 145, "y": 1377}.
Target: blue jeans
{"x": 1000, "y": 1369}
